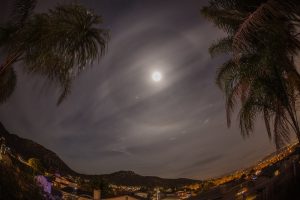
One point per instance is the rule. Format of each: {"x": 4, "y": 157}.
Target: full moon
{"x": 156, "y": 76}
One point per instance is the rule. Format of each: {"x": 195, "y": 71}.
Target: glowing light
{"x": 156, "y": 76}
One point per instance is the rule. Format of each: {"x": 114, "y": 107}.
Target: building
{"x": 62, "y": 182}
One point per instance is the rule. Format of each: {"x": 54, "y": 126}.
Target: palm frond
{"x": 227, "y": 20}
{"x": 293, "y": 77}
{"x": 247, "y": 116}
{"x": 281, "y": 130}
{"x": 232, "y": 95}
{"x": 66, "y": 90}
{"x": 245, "y": 5}
{"x": 267, "y": 119}
{"x": 225, "y": 72}
{"x": 270, "y": 12}
{"x": 223, "y": 45}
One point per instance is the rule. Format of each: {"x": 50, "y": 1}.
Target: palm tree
{"x": 261, "y": 75}
{"x": 58, "y": 44}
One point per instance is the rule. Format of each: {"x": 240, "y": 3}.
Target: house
{"x": 61, "y": 182}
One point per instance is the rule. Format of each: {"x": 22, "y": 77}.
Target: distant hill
{"x": 130, "y": 178}
{"x": 52, "y": 163}
{"x": 29, "y": 149}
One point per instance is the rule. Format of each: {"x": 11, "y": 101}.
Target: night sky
{"x": 118, "y": 118}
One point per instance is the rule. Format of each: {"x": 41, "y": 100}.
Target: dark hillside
{"x": 29, "y": 149}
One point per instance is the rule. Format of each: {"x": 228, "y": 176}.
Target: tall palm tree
{"x": 261, "y": 75}
{"x": 58, "y": 44}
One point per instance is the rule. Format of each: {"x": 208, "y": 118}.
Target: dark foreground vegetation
{"x": 17, "y": 181}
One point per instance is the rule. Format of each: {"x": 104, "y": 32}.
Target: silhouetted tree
{"x": 58, "y": 44}
{"x": 98, "y": 183}
{"x": 15, "y": 184}
{"x": 261, "y": 76}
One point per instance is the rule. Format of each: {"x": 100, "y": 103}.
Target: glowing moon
{"x": 156, "y": 76}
